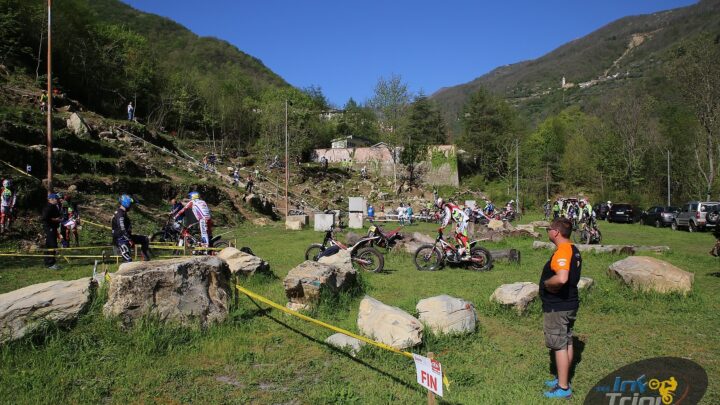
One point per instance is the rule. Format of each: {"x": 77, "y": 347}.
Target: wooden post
{"x": 49, "y": 100}
{"x": 430, "y": 394}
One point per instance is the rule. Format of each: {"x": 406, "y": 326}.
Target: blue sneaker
{"x": 551, "y": 383}
{"x": 558, "y": 392}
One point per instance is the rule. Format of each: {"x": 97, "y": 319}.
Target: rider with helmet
{"x": 122, "y": 232}
{"x": 202, "y": 213}
{"x": 489, "y": 208}
{"x": 452, "y": 212}
{"x": 585, "y": 212}
{"x": 8, "y": 198}
{"x": 70, "y": 221}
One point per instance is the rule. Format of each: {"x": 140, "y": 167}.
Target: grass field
{"x": 265, "y": 357}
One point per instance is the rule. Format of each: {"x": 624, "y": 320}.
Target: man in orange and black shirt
{"x": 560, "y": 302}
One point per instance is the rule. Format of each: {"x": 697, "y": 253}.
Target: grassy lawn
{"x": 265, "y": 357}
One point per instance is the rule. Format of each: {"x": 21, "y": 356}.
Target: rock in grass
{"x": 243, "y": 263}
{"x": 446, "y": 314}
{"x": 23, "y": 311}
{"x": 517, "y": 295}
{"x": 585, "y": 282}
{"x": 305, "y": 283}
{"x": 649, "y": 273}
{"x": 389, "y": 325}
{"x": 190, "y": 291}
{"x": 345, "y": 342}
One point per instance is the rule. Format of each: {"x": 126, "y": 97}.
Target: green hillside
{"x": 633, "y": 48}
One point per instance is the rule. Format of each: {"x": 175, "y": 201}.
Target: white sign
{"x": 429, "y": 373}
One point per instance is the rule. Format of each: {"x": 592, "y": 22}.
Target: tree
{"x": 490, "y": 129}
{"x": 390, "y": 102}
{"x": 357, "y": 120}
{"x": 424, "y": 126}
{"x": 695, "y": 67}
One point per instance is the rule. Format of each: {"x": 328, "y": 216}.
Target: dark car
{"x": 659, "y": 216}
{"x": 627, "y": 213}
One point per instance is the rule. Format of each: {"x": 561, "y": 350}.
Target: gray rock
{"x": 345, "y": 342}
{"x": 304, "y": 283}
{"x": 191, "y": 291}
{"x": 389, "y": 325}
{"x": 649, "y": 273}
{"x": 23, "y": 311}
{"x": 293, "y": 224}
{"x": 422, "y": 238}
{"x": 446, "y": 314}
{"x": 517, "y": 295}
{"x": 77, "y": 125}
{"x": 243, "y": 263}
{"x": 585, "y": 282}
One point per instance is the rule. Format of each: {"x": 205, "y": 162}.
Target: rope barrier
{"x": 20, "y": 170}
{"x": 83, "y": 220}
{"x": 288, "y": 311}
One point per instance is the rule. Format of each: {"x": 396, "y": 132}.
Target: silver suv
{"x": 692, "y": 215}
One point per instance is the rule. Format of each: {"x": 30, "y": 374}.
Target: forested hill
{"x": 177, "y": 48}
{"x": 631, "y": 48}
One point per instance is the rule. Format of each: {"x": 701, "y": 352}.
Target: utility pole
{"x": 668, "y": 177}
{"x": 49, "y": 100}
{"x": 287, "y": 162}
{"x": 547, "y": 181}
{"x": 517, "y": 175}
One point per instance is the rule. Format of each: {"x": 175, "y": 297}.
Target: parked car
{"x": 627, "y": 213}
{"x": 659, "y": 216}
{"x": 692, "y": 216}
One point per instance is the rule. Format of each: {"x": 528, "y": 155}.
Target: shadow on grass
{"x": 395, "y": 379}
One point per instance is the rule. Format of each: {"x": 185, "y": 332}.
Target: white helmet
{"x": 512, "y": 202}
{"x": 7, "y": 183}
{"x": 609, "y": 202}
{"x": 439, "y": 202}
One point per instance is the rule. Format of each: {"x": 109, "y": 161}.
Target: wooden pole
{"x": 49, "y": 100}
{"x": 430, "y": 394}
{"x": 287, "y": 162}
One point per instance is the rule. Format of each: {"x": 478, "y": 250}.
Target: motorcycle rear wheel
{"x": 313, "y": 251}
{"x": 369, "y": 259}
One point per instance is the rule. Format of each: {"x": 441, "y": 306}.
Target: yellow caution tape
{"x": 328, "y": 326}
{"x": 49, "y": 255}
{"x": 83, "y": 220}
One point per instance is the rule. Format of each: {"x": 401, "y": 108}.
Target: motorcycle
{"x": 170, "y": 232}
{"x": 431, "y": 257}
{"x": 363, "y": 254}
{"x": 376, "y": 236}
{"x": 588, "y": 233}
{"x": 185, "y": 237}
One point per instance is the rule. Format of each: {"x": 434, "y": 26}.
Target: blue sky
{"x": 345, "y": 46}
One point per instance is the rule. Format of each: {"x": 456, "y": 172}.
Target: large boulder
{"x": 389, "y": 325}
{"x": 649, "y": 273}
{"x": 23, "y": 311}
{"x": 305, "y": 283}
{"x": 190, "y": 291}
{"x": 422, "y": 238}
{"x": 524, "y": 227}
{"x": 342, "y": 260}
{"x": 446, "y": 314}
{"x": 293, "y": 224}
{"x": 243, "y": 263}
{"x": 540, "y": 224}
{"x": 517, "y": 295}
{"x": 496, "y": 225}
{"x": 77, "y": 125}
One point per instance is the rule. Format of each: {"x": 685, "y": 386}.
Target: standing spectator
{"x": 8, "y": 198}
{"x": 43, "y": 101}
{"x": 249, "y": 185}
{"x": 131, "y": 111}
{"x": 547, "y": 208}
{"x": 409, "y": 214}
{"x": 28, "y": 168}
{"x": 556, "y": 210}
{"x": 175, "y": 207}
{"x": 236, "y": 177}
{"x": 51, "y": 220}
{"x": 371, "y": 212}
{"x": 560, "y": 302}
{"x": 401, "y": 214}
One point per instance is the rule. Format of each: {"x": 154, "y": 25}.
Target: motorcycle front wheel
{"x": 428, "y": 258}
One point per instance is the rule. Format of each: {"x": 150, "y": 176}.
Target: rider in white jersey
{"x": 202, "y": 213}
{"x": 452, "y": 212}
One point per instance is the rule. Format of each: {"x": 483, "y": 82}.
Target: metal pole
{"x": 49, "y": 100}
{"x": 287, "y": 162}
{"x": 668, "y": 177}
{"x": 547, "y": 181}
{"x": 517, "y": 176}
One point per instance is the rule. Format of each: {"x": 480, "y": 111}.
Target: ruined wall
{"x": 439, "y": 168}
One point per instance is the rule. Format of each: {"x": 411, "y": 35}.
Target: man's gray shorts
{"x": 558, "y": 328}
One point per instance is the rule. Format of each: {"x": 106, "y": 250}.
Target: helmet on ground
{"x": 439, "y": 202}
{"x": 194, "y": 195}
{"x": 126, "y": 201}
{"x": 7, "y": 183}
